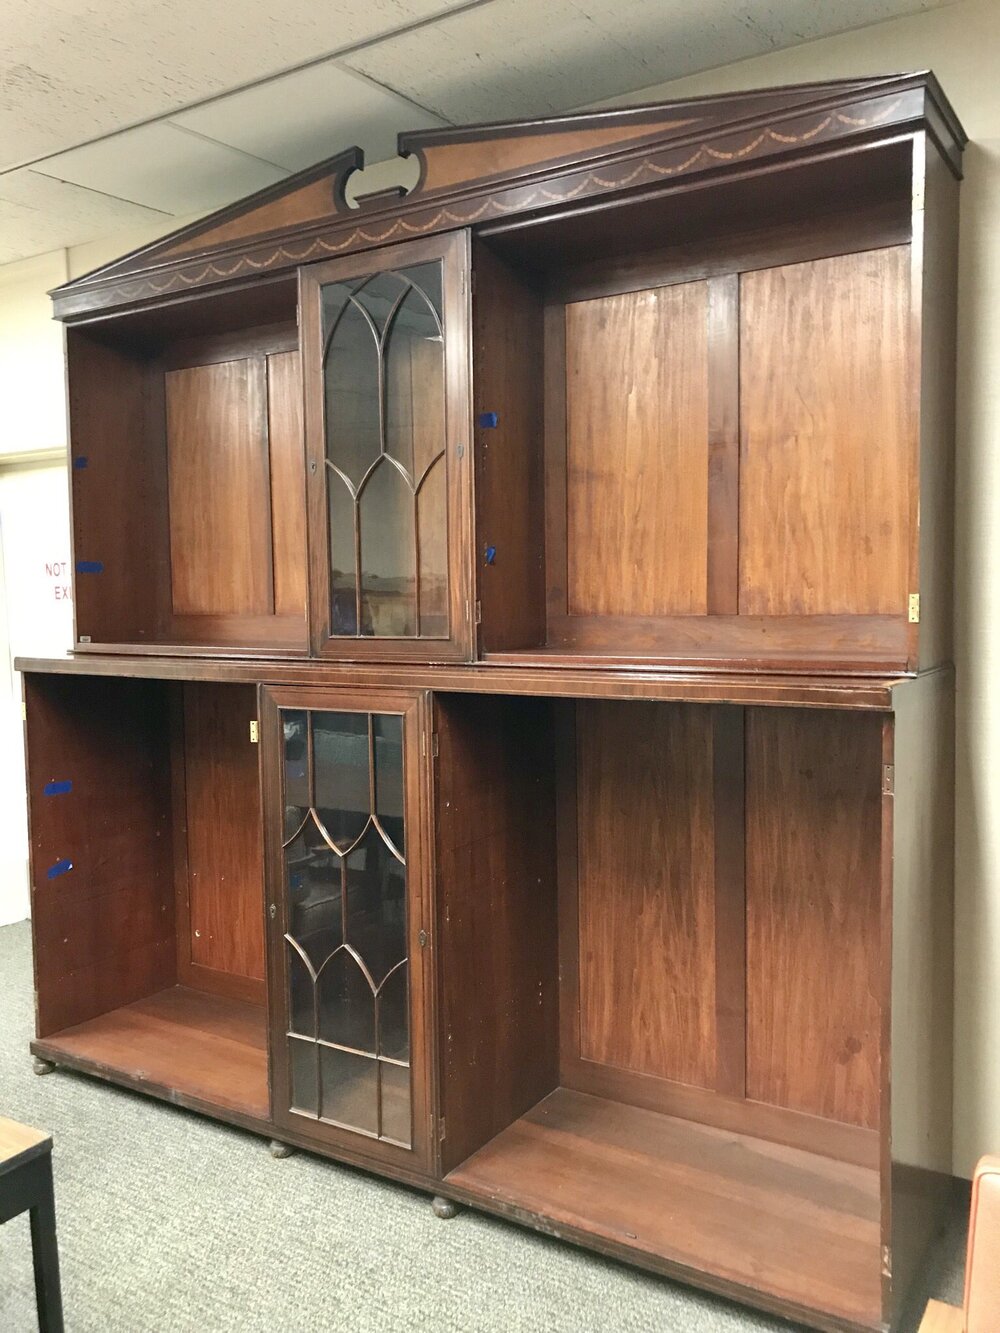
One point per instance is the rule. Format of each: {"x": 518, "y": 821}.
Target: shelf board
{"x": 538, "y": 675}
{"x": 736, "y": 1214}
{"x": 180, "y": 1043}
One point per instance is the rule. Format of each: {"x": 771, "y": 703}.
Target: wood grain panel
{"x": 813, "y": 806}
{"x": 204, "y": 1046}
{"x": 288, "y": 491}
{"x": 698, "y": 1203}
{"x": 637, "y": 452}
{"x": 104, "y": 930}
{"x": 646, "y": 889}
{"x": 507, "y": 348}
{"x": 496, "y": 915}
{"x": 222, "y": 814}
{"x": 118, "y": 492}
{"x": 826, "y": 436}
{"x": 220, "y": 539}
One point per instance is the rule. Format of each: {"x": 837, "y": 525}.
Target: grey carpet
{"x": 170, "y": 1222}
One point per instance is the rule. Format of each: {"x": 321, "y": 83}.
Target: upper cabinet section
{"x": 666, "y": 385}
{"x": 385, "y": 345}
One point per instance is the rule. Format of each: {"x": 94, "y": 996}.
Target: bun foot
{"x": 444, "y": 1208}
{"x": 279, "y": 1149}
{"x": 41, "y": 1066}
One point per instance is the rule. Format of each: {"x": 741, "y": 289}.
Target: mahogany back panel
{"x": 813, "y": 890}
{"x": 217, "y": 468}
{"x": 217, "y": 814}
{"x": 646, "y": 889}
{"x": 636, "y": 454}
{"x": 827, "y": 436}
{"x": 101, "y": 872}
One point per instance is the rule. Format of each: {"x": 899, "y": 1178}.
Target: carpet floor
{"x": 171, "y": 1223}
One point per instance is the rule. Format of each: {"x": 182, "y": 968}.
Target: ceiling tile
{"x": 163, "y": 167}
{"x": 519, "y": 58}
{"x": 71, "y": 70}
{"x": 308, "y": 115}
{"x": 39, "y": 214}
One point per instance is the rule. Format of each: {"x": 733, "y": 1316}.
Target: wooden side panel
{"x": 647, "y": 889}
{"x": 101, "y": 867}
{"x": 921, "y": 832}
{"x": 637, "y": 420}
{"x": 222, "y": 818}
{"x": 118, "y": 491}
{"x": 935, "y": 280}
{"x": 507, "y": 377}
{"x": 288, "y": 488}
{"x": 813, "y": 798}
{"x": 220, "y": 540}
{"x": 826, "y": 436}
{"x": 496, "y": 913}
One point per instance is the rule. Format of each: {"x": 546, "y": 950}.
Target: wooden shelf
{"x": 515, "y": 674}
{"x": 696, "y": 1202}
{"x": 179, "y": 1043}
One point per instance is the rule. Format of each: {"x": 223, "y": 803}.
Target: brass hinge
{"x": 913, "y": 608}
{"x": 254, "y": 731}
{"x": 435, "y": 745}
{"x": 888, "y": 779}
{"x": 479, "y": 613}
{"x": 422, "y": 938}
{"x": 441, "y": 1130}
{"x": 24, "y": 711}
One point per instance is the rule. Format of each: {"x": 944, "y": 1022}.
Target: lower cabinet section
{"x": 617, "y": 969}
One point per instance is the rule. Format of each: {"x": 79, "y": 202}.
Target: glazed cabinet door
{"x": 345, "y": 808}
{"x": 386, "y": 367}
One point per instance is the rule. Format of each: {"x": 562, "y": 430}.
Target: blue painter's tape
{"x": 81, "y": 461}
{"x": 489, "y": 420}
{"x": 59, "y": 868}
{"x": 491, "y": 555}
{"x": 89, "y": 567}
{"x": 57, "y": 788}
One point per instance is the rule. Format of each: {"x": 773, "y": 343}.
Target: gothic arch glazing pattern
{"x": 345, "y": 936}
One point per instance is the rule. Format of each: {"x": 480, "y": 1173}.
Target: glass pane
{"x": 414, "y": 385}
{"x": 396, "y": 1103}
{"x": 352, "y": 372}
{"x": 394, "y": 1016}
{"x": 302, "y": 1067}
{"x": 388, "y": 554}
{"x": 314, "y": 884}
{"x": 432, "y": 526}
{"x": 293, "y": 725}
{"x": 347, "y": 1005}
{"x": 350, "y": 1089}
{"x": 388, "y": 735}
{"x": 343, "y": 582}
{"x": 385, "y": 438}
{"x": 340, "y": 761}
{"x": 301, "y": 1009}
{"x": 376, "y": 898}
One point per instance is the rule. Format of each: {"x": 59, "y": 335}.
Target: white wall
{"x": 961, "y": 43}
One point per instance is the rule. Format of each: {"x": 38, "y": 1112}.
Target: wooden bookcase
{"x": 509, "y": 739}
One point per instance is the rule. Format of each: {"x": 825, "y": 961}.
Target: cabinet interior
{"x": 189, "y": 475}
{"x": 656, "y": 399}
{"x": 636, "y": 888}
{"x": 149, "y": 936}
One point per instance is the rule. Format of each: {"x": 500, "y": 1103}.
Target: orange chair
{"x": 980, "y": 1312}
